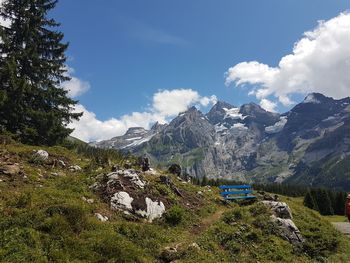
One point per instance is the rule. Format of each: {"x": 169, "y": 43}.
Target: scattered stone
{"x": 199, "y": 193}
{"x": 280, "y": 209}
{"x": 165, "y": 180}
{"x": 54, "y": 174}
{"x": 151, "y": 171}
{"x": 100, "y": 217}
{"x": 75, "y": 168}
{"x": 42, "y": 155}
{"x": 194, "y": 246}
{"x": 61, "y": 163}
{"x": 266, "y": 196}
{"x": 10, "y": 169}
{"x": 170, "y": 254}
{"x": 88, "y": 200}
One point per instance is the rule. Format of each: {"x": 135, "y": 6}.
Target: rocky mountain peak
{"x": 136, "y": 131}
{"x": 219, "y": 112}
{"x": 157, "y": 127}
{"x": 316, "y": 98}
{"x": 191, "y": 114}
{"x": 252, "y": 109}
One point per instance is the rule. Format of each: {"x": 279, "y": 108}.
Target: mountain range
{"x": 309, "y": 145}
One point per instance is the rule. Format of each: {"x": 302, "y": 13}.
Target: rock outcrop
{"x": 282, "y": 219}
{"x": 125, "y": 191}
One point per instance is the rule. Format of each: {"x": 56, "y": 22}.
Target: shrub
{"x": 232, "y": 216}
{"x": 175, "y": 215}
{"x": 259, "y": 209}
{"x": 24, "y": 200}
{"x": 74, "y": 215}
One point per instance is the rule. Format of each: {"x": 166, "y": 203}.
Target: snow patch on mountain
{"x": 220, "y": 128}
{"x": 278, "y": 126}
{"x": 233, "y": 113}
{"x": 138, "y": 141}
{"x": 239, "y": 126}
{"x": 311, "y": 99}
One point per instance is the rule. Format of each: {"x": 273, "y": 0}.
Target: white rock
{"x": 100, "y": 217}
{"x": 195, "y": 246}
{"x": 130, "y": 174}
{"x": 75, "y": 168}
{"x": 155, "y": 209}
{"x": 42, "y": 155}
{"x": 151, "y": 171}
{"x": 88, "y": 200}
{"x": 61, "y": 163}
{"x": 121, "y": 201}
{"x": 134, "y": 178}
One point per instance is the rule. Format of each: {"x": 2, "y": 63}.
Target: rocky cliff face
{"x": 249, "y": 143}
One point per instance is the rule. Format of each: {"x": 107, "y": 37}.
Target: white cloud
{"x": 165, "y": 105}
{"x": 320, "y": 62}
{"x": 75, "y": 86}
{"x": 268, "y": 105}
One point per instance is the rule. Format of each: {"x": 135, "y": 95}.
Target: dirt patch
{"x": 207, "y": 222}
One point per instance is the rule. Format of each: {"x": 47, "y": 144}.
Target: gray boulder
{"x": 288, "y": 230}
{"x": 41, "y": 155}
{"x": 280, "y": 209}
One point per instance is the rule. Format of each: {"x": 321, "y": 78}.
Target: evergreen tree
{"x": 309, "y": 201}
{"x": 204, "y": 181}
{"x": 324, "y": 202}
{"x": 32, "y": 103}
{"x": 339, "y": 205}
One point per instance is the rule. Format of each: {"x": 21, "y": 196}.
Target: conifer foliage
{"x": 32, "y": 67}
{"x": 327, "y": 202}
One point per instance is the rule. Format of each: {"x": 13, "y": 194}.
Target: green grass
{"x": 43, "y": 218}
{"x": 336, "y": 218}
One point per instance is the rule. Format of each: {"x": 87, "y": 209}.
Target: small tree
{"x": 324, "y": 202}
{"x": 309, "y": 201}
{"x": 33, "y": 104}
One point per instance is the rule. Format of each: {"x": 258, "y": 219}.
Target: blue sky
{"x": 127, "y": 51}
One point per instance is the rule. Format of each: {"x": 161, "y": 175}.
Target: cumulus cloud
{"x": 75, "y": 86}
{"x": 320, "y": 62}
{"x": 165, "y": 105}
{"x": 268, "y": 105}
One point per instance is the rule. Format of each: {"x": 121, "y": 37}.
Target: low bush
{"x": 174, "y": 215}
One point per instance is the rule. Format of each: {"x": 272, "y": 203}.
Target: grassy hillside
{"x": 45, "y": 217}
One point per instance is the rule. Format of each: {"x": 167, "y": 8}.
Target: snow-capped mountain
{"x": 251, "y": 144}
